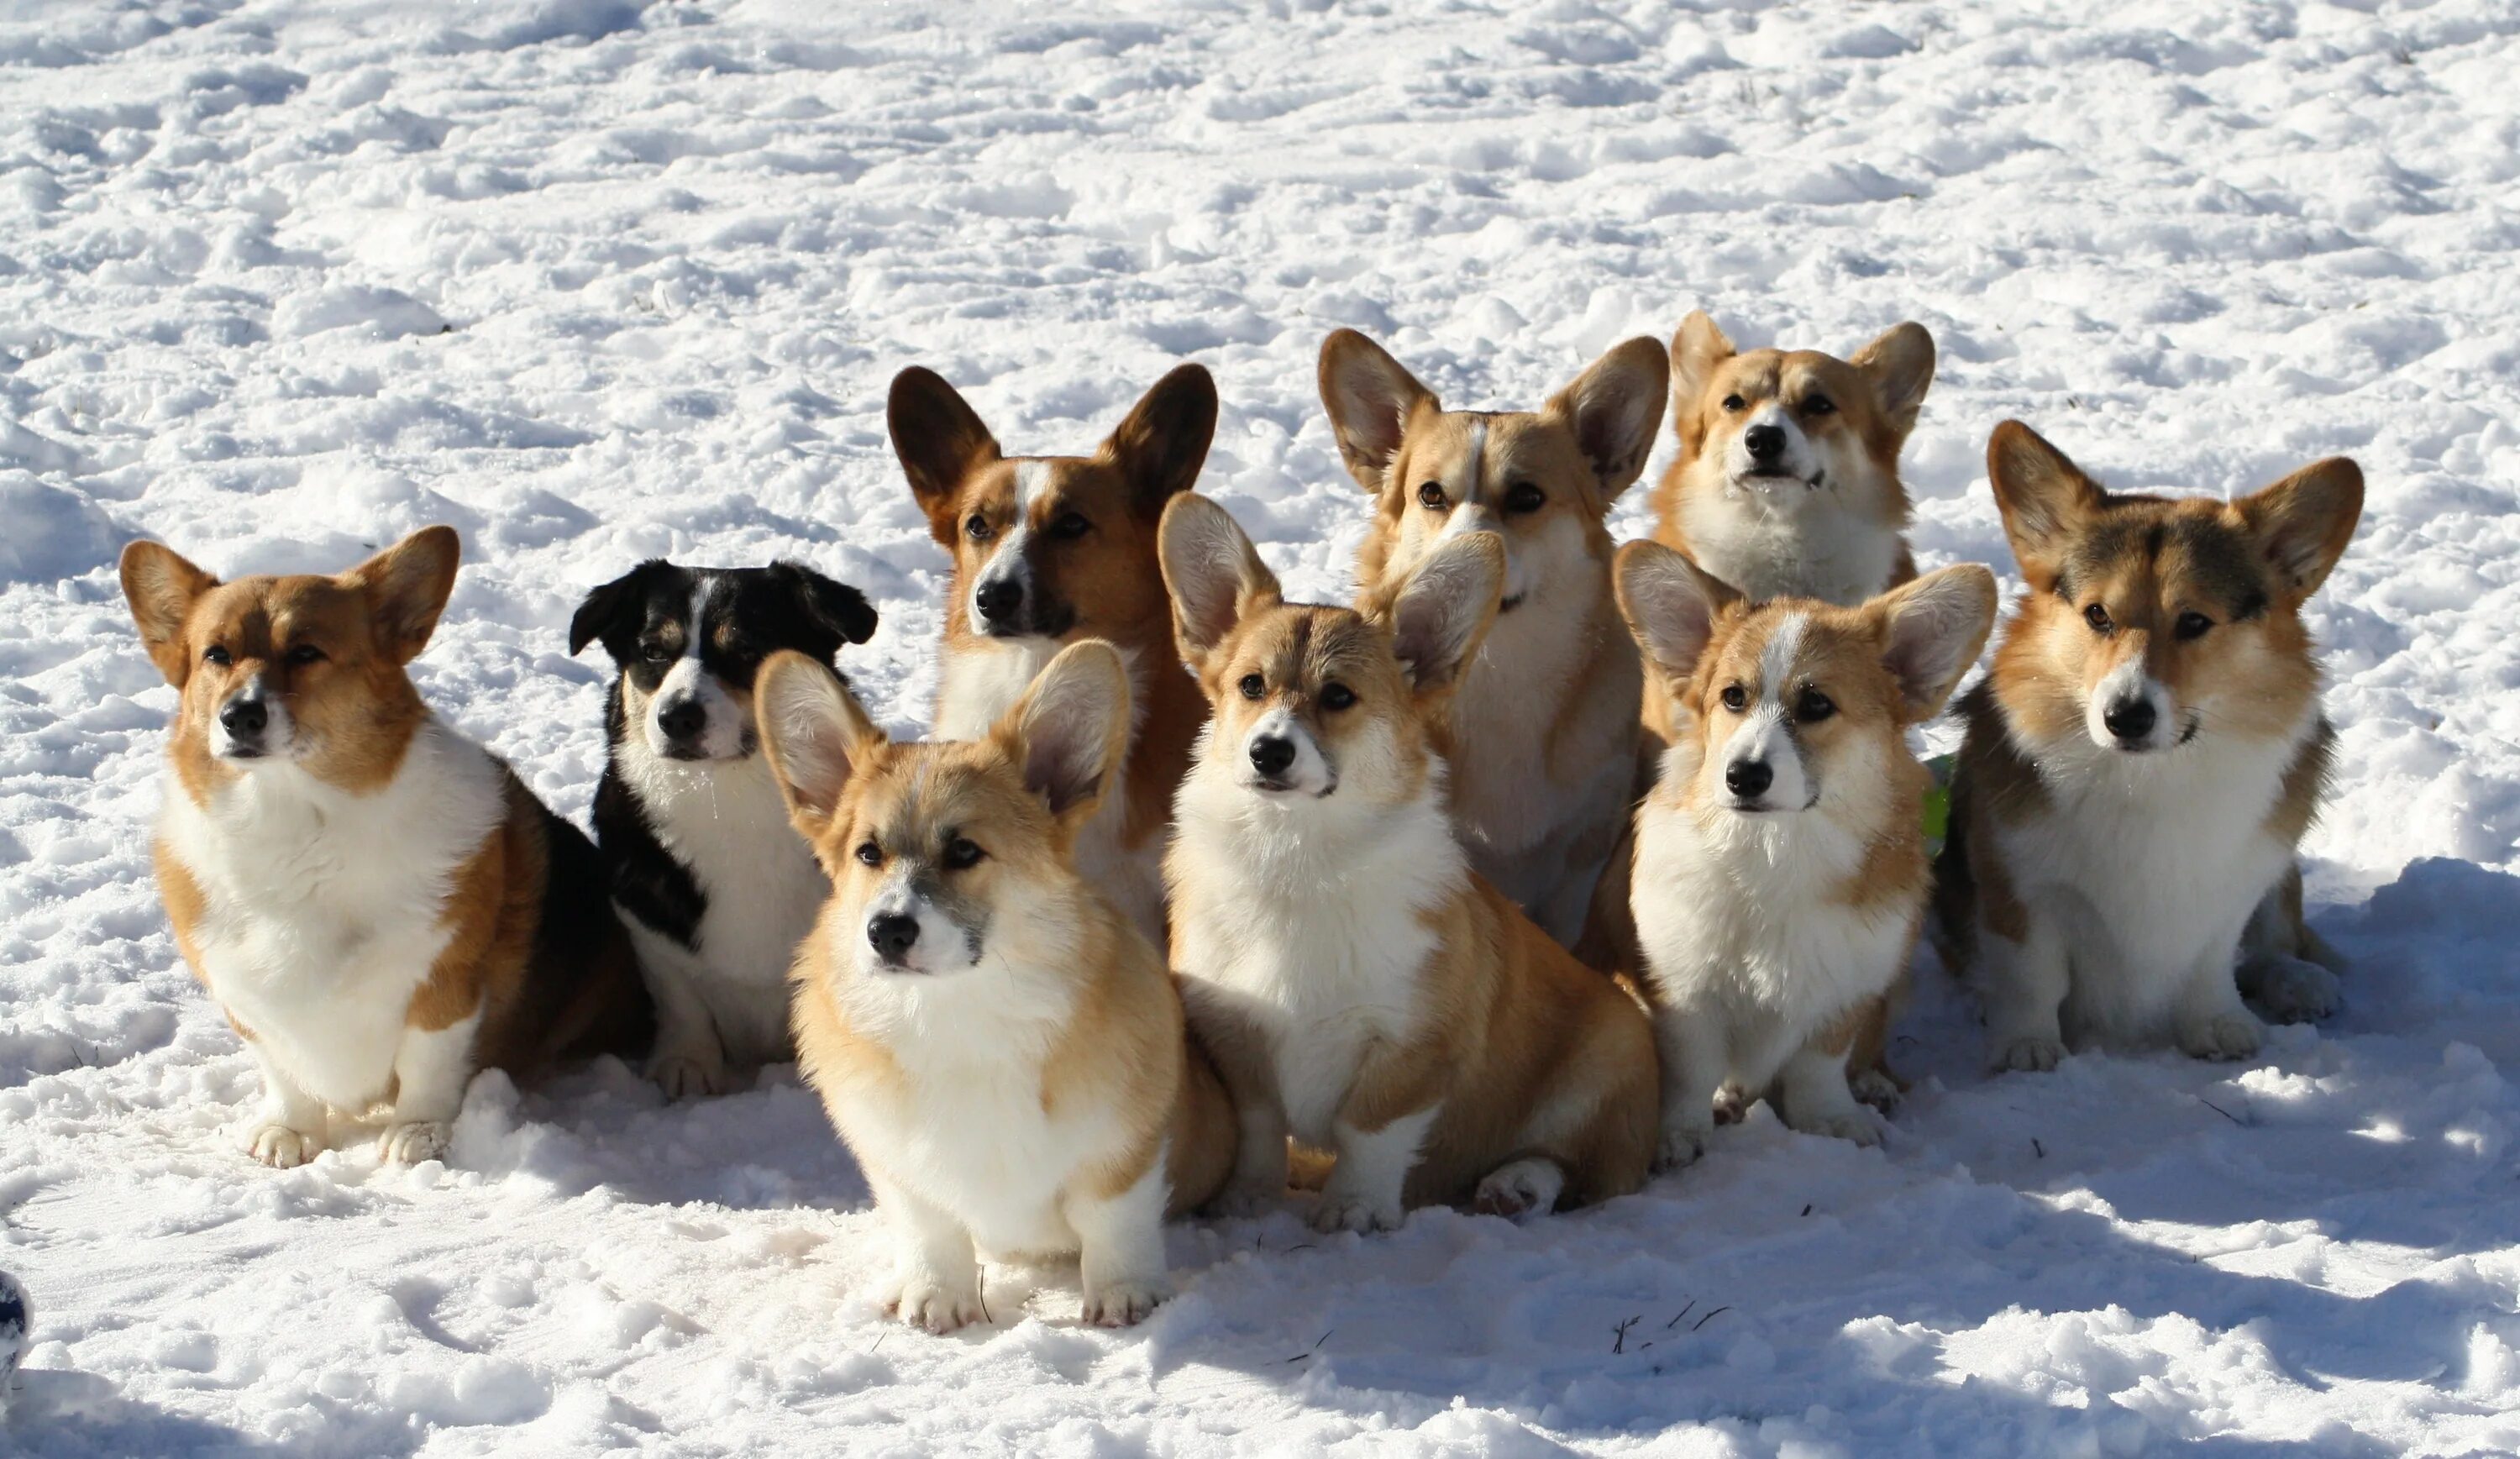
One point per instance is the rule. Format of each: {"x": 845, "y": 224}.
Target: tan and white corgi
{"x": 1000, "y": 1048}
{"x": 1051, "y": 550}
{"x": 376, "y": 902}
{"x": 2142, "y": 762}
{"x": 1781, "y": 872}
{"x": 1542, "y": 735}
{"x": 1360, "y": 985}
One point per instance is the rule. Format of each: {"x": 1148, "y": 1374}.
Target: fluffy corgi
{"x": 379, "y": 905}
{"x": 2142, "y": 762}
{"x": 1781, "y": 873}
{"x": 1360, "y": 986}
{"x": 1002, "y": 1049}
{"x": 709, "y": 878}
{"x": 1541, "y": 737}
{"x": 1053, "y": 550}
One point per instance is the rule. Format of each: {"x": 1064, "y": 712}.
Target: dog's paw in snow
{"x": 2292, "y": 989}
{"x": 1732, "y": 1103}
{"x": 282, "y": 1148}
{"x": 1124, "y": 1303}
{"x": 2223, "y": 1036}
{"x": 1342, "y": 1212}
{"x": 938, "y": 1305}
{"x": 414, "y": 1140}
{"x": 1856, "y": 1124}
{"x": 2029, "y": 1055}
{"x": 1682, "y": 1143}
{"x": 1519, "y": 1188}
{"x": 683, "y": 1076}
{"x": 1872, "y": 1087}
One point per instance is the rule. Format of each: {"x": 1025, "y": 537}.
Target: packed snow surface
{"x": 593, "y": 280}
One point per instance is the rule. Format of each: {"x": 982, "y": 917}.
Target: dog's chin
{"x": 1055, "y": 625}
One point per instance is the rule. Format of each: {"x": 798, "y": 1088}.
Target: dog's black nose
{"x": 890, "y": 934}
{"x": 682, "y": 719}
{"x": 1000, "y": 600}
{"x": 2129, "y": 718}
{"x": 245, "y": 718}
{"x": 1748, "y": 778}
{"x": 1765, "y": 442}
{"x": 1271, "y": 755}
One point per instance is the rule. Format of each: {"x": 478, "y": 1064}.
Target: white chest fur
{"x": 1313, "y": 940}
{"x": 1790, "y": 540}
{"x": 321, "y": 910}
{"x": 725, "y": 822}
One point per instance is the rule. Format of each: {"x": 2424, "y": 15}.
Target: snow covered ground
{"x": 593, "y": 280}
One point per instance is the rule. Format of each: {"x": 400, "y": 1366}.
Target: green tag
{"x": 1938, "y": 804}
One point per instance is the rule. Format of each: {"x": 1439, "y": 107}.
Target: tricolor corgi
{"x": 1359, "y": 984}
{"x": 1542, "y": 738}
{"x": 376, "y": 902}
{"x": 1781, "y": 872}
{"x": 1000, "y": 1048}
{"x": 709, "y": 878}
{"x": 1053, "y": 550}
{"x": 2142, "y": 762}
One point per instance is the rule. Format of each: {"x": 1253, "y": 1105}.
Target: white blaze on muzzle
{"x": 2131, "y": 710}
{"x": 905, "y": 932}
{"x": 1797, "y": 459}
{"x": 1007, "y": 562}
{"x": 1280, "y": 757}
{"x": 691, "y": 700}
{"x": 1761, "y": 762}
{"x": 272, "y": 740}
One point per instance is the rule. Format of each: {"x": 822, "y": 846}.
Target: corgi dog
{"x": 1781, "y": 870}
{"x": 1359, "y": 984}
{"x": 1051, "y": 550}
{"x": 1002, "y": 1049}
{"x": 709, "y": 878}
{"x": 2142, "y": 762}
{"x": 376, "y": 902}
{"x": 1542, "y": 738}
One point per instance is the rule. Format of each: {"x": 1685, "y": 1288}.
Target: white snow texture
{"x": 594, "y": 279}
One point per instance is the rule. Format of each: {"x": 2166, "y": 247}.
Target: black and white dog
{"x": 714, "y": 884}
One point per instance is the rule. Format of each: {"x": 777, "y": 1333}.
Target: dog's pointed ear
{"x": 815, "y": 735}
{"x": 1371, "y": 399}
{"x": 1439, "y": 615}
{"x": 1697, "y": 347}
{"x": 1931, "y": 631}
{"x": 1164, "y": 441}
{"x": 1212, "y": 571}
{"x": 2303, "y": 523}
{"x": 407, "y": 586}
{"x": 1071, "y": 728}
{"x": 1901, "y": 368}
{"x": 161, "y": 588}
{"x": 827, "y": 602}
{"x": 940, "y": 441}
{"x": 611, "y": 612}
{"x": 2045, "y": 498}
{"x": 1615, "y": 407}
{"x": 1671, "y": 606}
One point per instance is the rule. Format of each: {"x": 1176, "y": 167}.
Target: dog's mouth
{"x": 1276, "y": 785}
{"x": 1779, "y": 476}
{"x": 1056, "y": 623}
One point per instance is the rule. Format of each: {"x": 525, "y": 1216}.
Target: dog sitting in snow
{"x": 1780, "y": 868}
{"x": 1361, "y": 986}
{"x": 1543, "y": 730}
{"x": 1051, "y": 550}
{"x": 2142, "y": 763}
{"x": 709, "y": 878}
{"x": 1000, "y": 1046}
{"x": 378, "y": 903}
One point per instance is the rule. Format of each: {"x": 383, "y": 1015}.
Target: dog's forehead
{"x": 1038, "y": 484}
{"x": 259, "y": 605}
{"x": 1294, "y": 640}
{"x": 922, "y": 791}
{"x": 2179, "y": 549}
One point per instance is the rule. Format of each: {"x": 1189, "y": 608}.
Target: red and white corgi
{"x": 2142, "y": 762}
{"x": 1781, "y": 870}
{"x": 1543, "y": 730}
{"x": 1051, "y": 550}
{"x": 1358, "y": 985}
{"x": 1000, "y": 1046}
{"x": 380, "y": 906}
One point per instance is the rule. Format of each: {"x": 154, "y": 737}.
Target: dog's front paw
{"x": 2033, "y": 1055}
{"x": 1732, "y": 1103}
{"x": 685, "y": 1076}
{"x": 1125, "y": 1303}
{"x": 937, "y": 1305}
{"x": 2224, "y": 1036}
{"x": 1340, "y": 1212}
{"x": 1519, "y": 1188}
{"x": 2293, "y": 989}
{"x": 282, "y": 1148}
{"x": 1243, "y": 1202}
{"x": 1859, "y": 1126}
{"x": 1680, "y": 1144}
{"x": 414, "y": 1140}
{"x": 1874, "y": 1087}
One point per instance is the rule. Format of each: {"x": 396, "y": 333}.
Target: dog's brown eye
{"x": 1735, "y": 697}
{"x": 1431, "y": 495}
{"x": 1252, "y": 685}
{"x": 1814, "y": 707}
{"x": 214, "y": 654}
{"x": 1523, "y": 496}
{"x": 2194, "y": 625}
{"x": 1070, "y": 526}
{"x": 1817, "y": 405}
{"x": 2098, "y": 618}
{"x": 304, "y": 655}
{"x": 1337, "y": 696}
{"x": 656, "y": 653}
{"x": 977, "y": 528}
{"x": 870, "y": 854}
{"x": 961, "y": 854}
